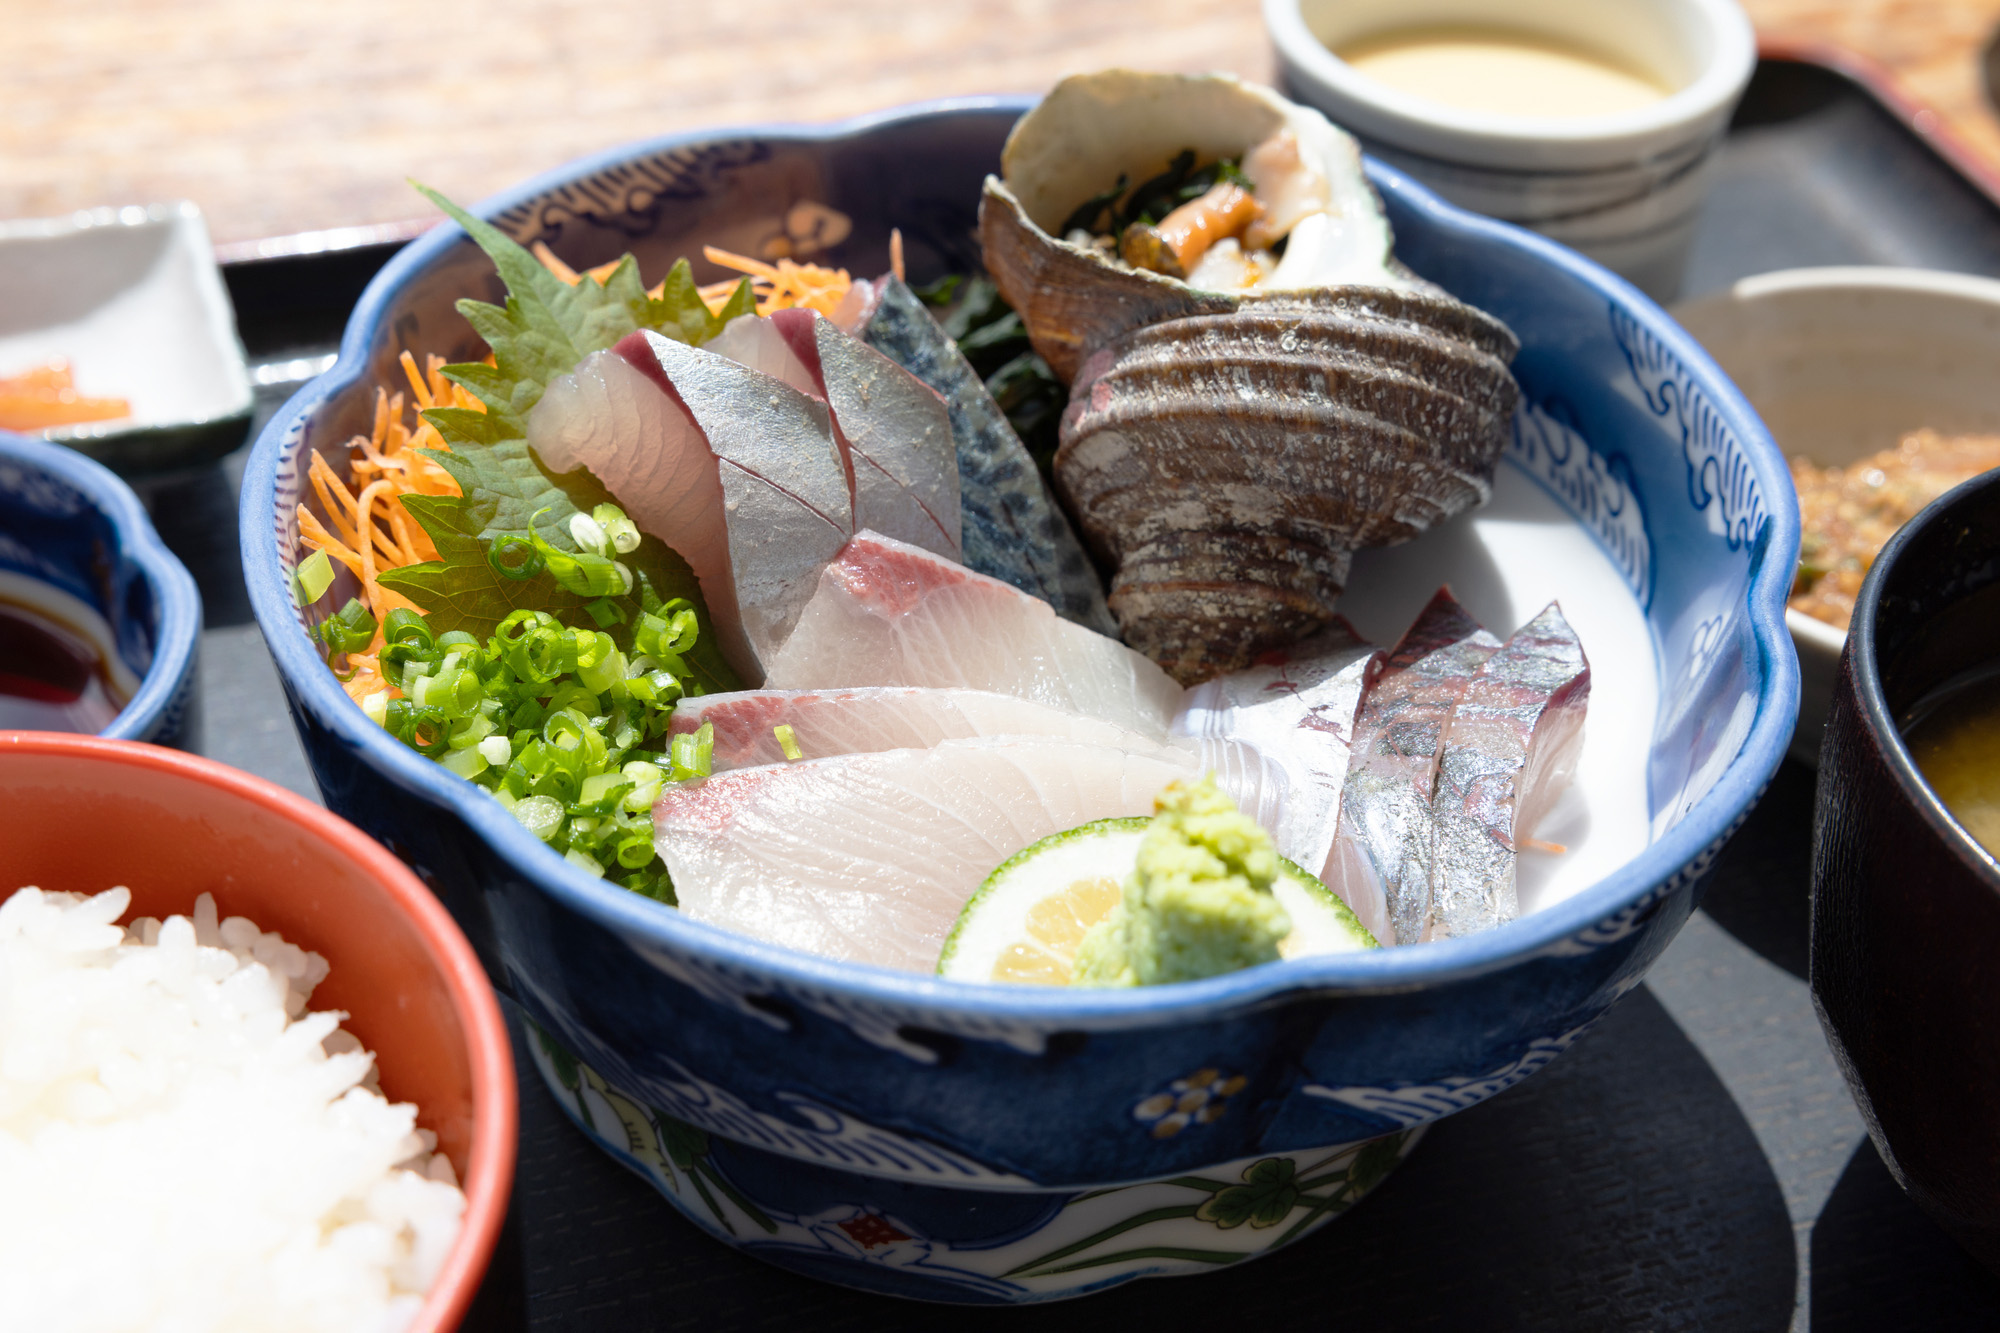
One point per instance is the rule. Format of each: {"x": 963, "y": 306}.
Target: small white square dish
{"x": 132, "y": 300}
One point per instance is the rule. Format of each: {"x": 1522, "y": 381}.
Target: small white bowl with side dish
{"x": 1841, "y": 363}
{"x": 1621, "y": 185}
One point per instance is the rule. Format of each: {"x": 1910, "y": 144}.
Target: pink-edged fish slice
{"x": 1278, "y": 735}
{"x": 888, "y": 613}
{"x": 1380, "y": 861}
{"x": 785, "y": 497}
{"x": 1509, "y": 750}
{"x": 893, "y": 431}
{"x": 870, "y": 857}
{"x": 892, "y": 717}
{"x": 644, "y": 447}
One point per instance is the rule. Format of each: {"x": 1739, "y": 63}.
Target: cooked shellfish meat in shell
{"x": 1267, "y": 390}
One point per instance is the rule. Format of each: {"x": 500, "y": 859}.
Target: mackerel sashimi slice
{"x": 894, "y": 433}
{"x": 831, "y": 722}
{"x": 1380, "y": 863}
{"x": 871, "y": 857}
{"x": 887, "y": 613}
{"x": 1509, "y": 750}
{"x": 1012, "y": 528}
{"x": 737, "y": 471}
{"x": 1277, "y": 736}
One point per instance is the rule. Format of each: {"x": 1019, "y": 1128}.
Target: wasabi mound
{"x": 1199, "y": 901}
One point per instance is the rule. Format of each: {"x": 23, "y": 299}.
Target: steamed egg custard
{"x": 797, "y": 638}
{"x": 1502, "y": 72}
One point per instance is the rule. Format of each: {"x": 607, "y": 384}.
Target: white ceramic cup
{"x": 1623, "y": 188}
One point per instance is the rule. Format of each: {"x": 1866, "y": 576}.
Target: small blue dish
{"x": 70, "y": 526}
{"x": 974, "y": 1143}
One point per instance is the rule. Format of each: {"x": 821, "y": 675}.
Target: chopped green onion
{"x": 788, "y": 741}
{"x": 540, "y": 815}
{"x": 312, "y": 578}
{"x": 514, "y": 556}
{"x": 565, "y": 724}
{"x": 588, "y": 536}
{"x": 349, "y": 630}
{"x": 622, "y": 531}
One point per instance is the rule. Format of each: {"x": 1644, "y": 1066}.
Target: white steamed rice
{"x": 184, "y": 1148}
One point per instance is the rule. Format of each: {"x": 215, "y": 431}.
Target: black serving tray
{"x": 1695, "y": 1163}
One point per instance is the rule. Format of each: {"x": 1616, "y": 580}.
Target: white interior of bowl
{"x": 132, "y": 299}
{"x": 1840, "y": 362}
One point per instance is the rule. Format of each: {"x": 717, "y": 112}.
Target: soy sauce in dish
{"x": 1954, "y": 735}
{"x": 53, "y": 675}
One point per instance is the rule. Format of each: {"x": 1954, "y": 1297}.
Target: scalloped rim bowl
{"x": 885, "y": 1086}
{"x": 177, "y": 602}
{"x": 306, "y": 674}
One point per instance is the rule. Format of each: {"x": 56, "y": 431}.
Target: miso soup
{"x": 1955, "y": 739}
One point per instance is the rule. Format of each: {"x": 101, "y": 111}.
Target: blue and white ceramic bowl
{"x": 985, "y": 1143}
{"x": 74, "y": 538}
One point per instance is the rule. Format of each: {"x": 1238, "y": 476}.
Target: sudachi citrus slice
{"x": 1026, "y": 920}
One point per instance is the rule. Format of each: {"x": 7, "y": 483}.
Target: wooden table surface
{"x": 281, "y": 119}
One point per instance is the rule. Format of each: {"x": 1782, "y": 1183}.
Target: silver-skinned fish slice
{"x": 871, "y": 718}
{"x": 735, "y": 470}
{"x": 1380, "y": 863}
{"x": 1011, "y": 526}
{"x": 1509, "y": 751}
{"x": 894, "y": 433}
{"x": 871, "y": 857}
{"x": 888, "y": 613}
{"x": 1278, "y": 733}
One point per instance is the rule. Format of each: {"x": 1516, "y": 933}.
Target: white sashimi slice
{"x": 642, "y": 447}
{"x": 717, "y": 445}
{"x": 887, "y": 613}
{"x": 1277, "y": 736}
{"x": 894, "y": 432}
{"x": 871, "y": 857}
{"x": 831, "y": 722}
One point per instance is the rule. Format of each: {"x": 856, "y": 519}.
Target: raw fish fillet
{"x": 735, "y": 470}
{"x": 870, "y": 857}
{"x": 1509, "y": 750}
{"x": 831, "y": 722}
{"x": 887, "y": 613}
{"x": 1277, "y": 736}
{"x": 893, "y": 431}
{"x": 1012, "y": 528}
{"x": 1380, "y": 863}
{"x": 646, "y": 450}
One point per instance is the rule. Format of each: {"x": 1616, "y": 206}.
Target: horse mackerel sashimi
{"x": 887, "y": 613}
{"x": 1508, "y": 752}
{"x": 1278, "y": 735}
{"x": 829, "y": 722}
{"x": 735, "y": 470}
{"x": 1012, "y": 528}
{"x": 1380, "y": 863}
{"x": 894, "y": 433}
{"x": 871, "y": 857}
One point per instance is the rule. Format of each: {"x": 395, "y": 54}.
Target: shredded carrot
{"x": 365, "y": 527}
{"x": 46, "y": 396}
{"x": 779, "y": 286}
{"x": 896, "y": 253}
{"x": 1537, "y": 845}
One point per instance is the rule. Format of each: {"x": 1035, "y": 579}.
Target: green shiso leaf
{"x": 545, "y": 328}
